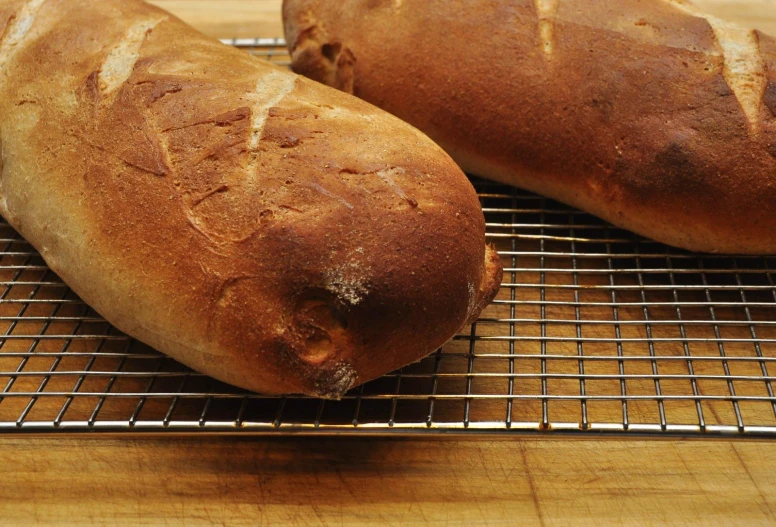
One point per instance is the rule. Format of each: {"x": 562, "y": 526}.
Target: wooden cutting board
{"x": 243, "y": 482}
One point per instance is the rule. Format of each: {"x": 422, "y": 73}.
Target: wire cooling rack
{"x": 595, "y": 330}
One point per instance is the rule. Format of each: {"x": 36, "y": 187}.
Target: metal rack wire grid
{"x": 595, "y": 330}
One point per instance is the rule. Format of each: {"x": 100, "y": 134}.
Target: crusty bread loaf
{"x": 261, "y": 228}
{"x": 644, "y": 112}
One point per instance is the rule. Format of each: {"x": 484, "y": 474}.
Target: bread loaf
{"x": 259, "y": 227}
{"x": 647, "y": 113}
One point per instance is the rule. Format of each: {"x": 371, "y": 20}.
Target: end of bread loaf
{"x": 382, "y": 268}
{"x": 489, "y": 286}
{"x": 314, "y": 54}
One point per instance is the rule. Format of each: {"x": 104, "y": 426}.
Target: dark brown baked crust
{"x": 257, "y": 226}
{"x": 646, "y": 113}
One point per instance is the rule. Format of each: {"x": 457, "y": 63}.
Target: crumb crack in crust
{"x": 388, "y": 177}
{"x": 330, "y": 194}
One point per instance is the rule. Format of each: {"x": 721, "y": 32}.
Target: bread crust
{"x": 649, "y": 114}
{"x": 259, "y": 227}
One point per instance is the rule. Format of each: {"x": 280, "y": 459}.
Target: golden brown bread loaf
{"x": 644, "y": 112}
{"x": 257, "y": 226}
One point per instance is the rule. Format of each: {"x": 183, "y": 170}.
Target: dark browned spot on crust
{"x": 318, "y": 322}
{"x": 91, "y": 86}
{"x": 768, "y": 140}
{"x": 769, "y": 98}
{"x": 289, "y": 141}
{"x": 680, "y": 173}
{"x": 335, "y": 381}
{"x": 331, "y": 51}
{"x": 162, "y": 89}
{"x": 378, "y": 4}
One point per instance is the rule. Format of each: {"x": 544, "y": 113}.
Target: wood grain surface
{"x": 229, "y": 18}
{"x": 387, "y": 482}
{"x": 235, "y": 482}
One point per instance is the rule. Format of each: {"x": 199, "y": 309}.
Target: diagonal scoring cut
{"x": 545, "y": 11}
{"x": 744, "y": 68}
{"x": 271, "y": 88}
{"x": 120, "y": 62}
{"x": 18, "y": 31}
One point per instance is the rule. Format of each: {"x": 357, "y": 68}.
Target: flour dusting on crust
{"x": 348, "y": 282}
{"x": 335, "y": 383}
